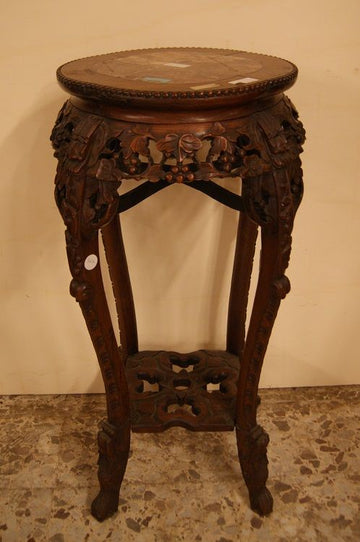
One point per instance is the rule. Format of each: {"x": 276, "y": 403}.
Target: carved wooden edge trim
{"x": 108, "y": 93}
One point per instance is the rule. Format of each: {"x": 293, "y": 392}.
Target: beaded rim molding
{"x": 96, "y": 90}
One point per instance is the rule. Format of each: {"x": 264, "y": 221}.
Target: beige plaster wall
{"x": 180, "y": 243}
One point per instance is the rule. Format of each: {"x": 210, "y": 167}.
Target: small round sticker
{"x": 91, "y": 262}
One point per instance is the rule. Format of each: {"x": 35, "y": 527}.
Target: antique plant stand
{"x": 178, "y": 115}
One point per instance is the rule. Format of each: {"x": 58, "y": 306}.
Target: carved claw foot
{"x": 252, "y": 447}
{"x": 262, "y": 502}
{"x": 105, "y": 504}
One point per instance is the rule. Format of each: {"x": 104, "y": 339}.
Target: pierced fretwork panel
{"x": 196, "y": 390}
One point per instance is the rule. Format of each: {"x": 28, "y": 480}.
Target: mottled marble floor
{"x": 181, "y": 485}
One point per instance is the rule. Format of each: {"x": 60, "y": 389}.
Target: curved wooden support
{"x": 251, "y": 438}
{"x": 86, "y": 206}
{"x": 240, "y": 284}
{"x": 114, "y": 438}
{"x": 87, "y": 288}
{"x": 140, "y": 193}
{"x": 220, "y": 194}
{"x": 275, "y": 216}
{"x": 120, "y": 279}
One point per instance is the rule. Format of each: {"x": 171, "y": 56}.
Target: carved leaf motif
{"x": 254, "y": 165}
{"x": 108, "y": 171}
{"x": 220, "y": 144}
{"x": 205, "y": 172}
{"x": 189, "y": 143}
{"x": 278, "y": 144}
{"x": 168, "y": 143}
{"x": 107, "y": 193}
{"x": 135, "y": 141}
{"x": 139, "y": 145}
{"x": 81, "y": 137}
{"x": 179, "y": 146}
{"x": 217, "y": 129}
{"x": 77, "y": 148}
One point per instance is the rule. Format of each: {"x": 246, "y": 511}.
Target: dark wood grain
{"x": 200, "y": 388}
{"x": 189, "y": 116}
{"x": 240, "y": 284}
{"x": 120, "y": 280}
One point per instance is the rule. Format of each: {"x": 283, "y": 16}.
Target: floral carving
{"x": 244, "y": 148}
{"x": 220, "y": 143}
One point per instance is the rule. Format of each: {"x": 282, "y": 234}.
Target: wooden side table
{"x": 178, "y": 115}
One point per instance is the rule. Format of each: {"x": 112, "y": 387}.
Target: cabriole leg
{"x": 86, "y": 205}
{"x": 114, "y": 436}
{"x": 271, "y": 194}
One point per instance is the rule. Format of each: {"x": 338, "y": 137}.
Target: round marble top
{"x": 176, "y": 73}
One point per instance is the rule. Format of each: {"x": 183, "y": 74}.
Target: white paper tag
{"x": 91, "y": 262}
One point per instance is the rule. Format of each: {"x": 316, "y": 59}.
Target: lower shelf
{"x": 196, "y": 391}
